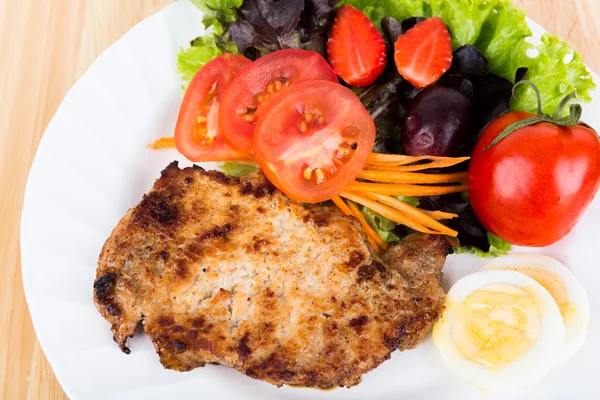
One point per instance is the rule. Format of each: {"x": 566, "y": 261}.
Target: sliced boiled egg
{"x": 501, "y": 329}
{"x": 568, "y": 293}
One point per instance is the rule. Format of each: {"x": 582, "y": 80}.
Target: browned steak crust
{"x": 230, "y": 271}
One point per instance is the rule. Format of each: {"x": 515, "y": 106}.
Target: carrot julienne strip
{"x": 413, "y": 212}
{"x": 393, "y": 159}
{"x": 453, "y": 241}
{"x": 367, "y": 228}
{"x": 396, "y": 189}
{"x": 342, "y": 205}
{"x": 374, "y": 245}
{"x": 412, "y": 167}
{"x": 440, "y": 214}
{"x": 163, "y": 143}
{"x": 411, "y": 177}
{"x": 387, "y": 212}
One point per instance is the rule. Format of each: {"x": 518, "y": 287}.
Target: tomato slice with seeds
{"x": 260, "y": 83}
{"x": 197, "y": 133}
{"x": 312, "y": 141}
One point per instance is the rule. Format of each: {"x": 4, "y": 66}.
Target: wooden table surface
{"x": 45, "y": 46}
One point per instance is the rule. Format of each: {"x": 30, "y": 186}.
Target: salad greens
{"x": 202, "y": 50}
{"x": 473, "y": 236}
{"x": 498, "y": 247}
{"x": 499, "y": 31}
{"x": 256, "y": 27}
{"x": 217, "y": 14}
{"x": 487, "y": 35}
{"x": 556, "y": 71}
{"x": 268, "y": 25}
{"x": 497, "y": 28}
{"x": 383, "y": 226}
{"x": 237, "y": 168}
{"x": 380, "y": 224}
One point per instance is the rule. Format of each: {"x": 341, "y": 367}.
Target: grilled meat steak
{"x": 230, "y": 271}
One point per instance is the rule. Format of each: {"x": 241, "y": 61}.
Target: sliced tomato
{"x": 312, "y": 141}
{"x": 197, "y": 133}
{"x": 260, "y": 83}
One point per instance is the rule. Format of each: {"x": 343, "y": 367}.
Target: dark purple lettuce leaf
{"x": 410, "y": 22}
{"x": 520, "y": 74}
{"x": 384, "y": 105}
{"x": 272, "y": 18}
{"x": 492, "y": 99}
{"x": 268, "y": 25}
{"x": 316, "y": 18}
{"x": 318, "y": 44}
{"x": 392, "y": 29}
{"x": 470, "y": 231}
{"x": 469, "y": 60}
{"x": 315, "y": 21}
{"x": 460, "y": 83}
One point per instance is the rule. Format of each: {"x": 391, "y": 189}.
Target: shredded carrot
{"x": 440, "y": 214}
{"x": 367, "y": 228}
{"x": 398, "y": 189}
{"x": 414, "y": 167}
{"x": 413, "y": 212}
{"x": 411, "y": 177}
{"x": 394, "y": 159}
{"x": 163, "y": 143}
{"x": 342, "y": 205}
{"x": 374, "y": 245}
{"x": 387, "y": 212}
{"x": 453, "y": 241}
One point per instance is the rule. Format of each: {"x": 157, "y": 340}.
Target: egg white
{"x": 546, "y": 351}
{"x": 577, "y": 321}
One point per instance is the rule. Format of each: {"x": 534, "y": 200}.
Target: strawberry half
{"x": 424, "y": 52}
{"x": 355, "y": 48}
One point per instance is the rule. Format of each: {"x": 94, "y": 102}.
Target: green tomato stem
{"x": 557, "y": 118}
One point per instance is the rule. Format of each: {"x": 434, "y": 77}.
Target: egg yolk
{"x": 552, "y": 283}
{"x": 496, "y": 325}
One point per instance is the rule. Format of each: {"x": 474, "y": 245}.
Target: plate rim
{"x": 42, "y": 338}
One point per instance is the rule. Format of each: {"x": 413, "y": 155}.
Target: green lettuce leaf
{"x": 381, "y": 224}
{"x": 413, "y": 201}
{"x": 217, "y": 4}
{"x": 217, "y": 13}
{"x": 556, "y": 71}
{"x": 189, "y": 61}
{"x": 236, "y": 168}
{"x": 498, "y": 29}
{"x": 498, "y": 247}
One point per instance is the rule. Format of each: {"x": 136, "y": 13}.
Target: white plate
{"x": 93, "y": 164}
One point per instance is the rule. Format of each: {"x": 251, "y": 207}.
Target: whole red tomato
{"x": 531, "y": 187}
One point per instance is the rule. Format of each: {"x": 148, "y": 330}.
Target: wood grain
{"x": 46, "y": 46}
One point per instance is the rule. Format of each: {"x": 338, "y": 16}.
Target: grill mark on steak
{"x": 356, "y": 258}
{"x": 217, "y": 232}
{"x": 157, "y": 207}
{"x": 243, "y": 350}
{"x": 263, "y": 189}
{"x": 259, "y": 243}
{"x": 358, "y": 323}
{"x": 104, "y": 288}
{"x": 165, "y": 321}
{"x": 366, "y": 272}
{"x": 218, "y": 176}
{"x": 199, "y": 322}
{"x": 274, "y": 296}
